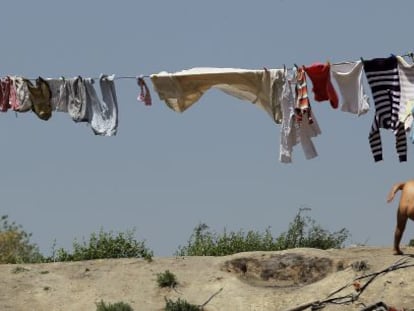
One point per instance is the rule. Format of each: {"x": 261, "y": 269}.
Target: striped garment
{"x": 406, "y": 73}
{"x": 383, "y": 79}
{"x": 302, "y": 105}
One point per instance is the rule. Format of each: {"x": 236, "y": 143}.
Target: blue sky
{"x": 215, "y": 163}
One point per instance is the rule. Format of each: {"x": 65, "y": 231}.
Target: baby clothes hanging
{"x": 182, "y": 89}
{"x": 302, "y": 104}
{"x": 144, "y": 95}
{"x": 383, "y": 79}
{"x": 293, "y": 132}
{"x": 407, "y": 117}
{"x": 75, "y": 97}
{"x": 4, "y": 94}
{"x": 406, "y": 74}
{"x": 69, "y": 95}
{"x": 320, "y": 75}
{"x": 348, "y": 77}
{"x": 19, "y": 86}
{"x": 103, "y": 115}
{"x": 411, "y": 134}
{"x": 40, "y": 98}
{"x": 58, "y": 93}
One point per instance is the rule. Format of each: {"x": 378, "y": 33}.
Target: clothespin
{"x": 145, "y": 95}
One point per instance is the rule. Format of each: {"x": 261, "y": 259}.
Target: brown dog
{"x": 405, "y": 209}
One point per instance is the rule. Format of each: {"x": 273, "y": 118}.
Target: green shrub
{"x": 302, "y": 232}
{"x": 118, "y": 306}
{"x": 166, "y": 279}
{"x": 206, "y": 243}
{"x": 105, "y": 245}
{"x": 180, "y": 305}
{"x": 15, "y": 246}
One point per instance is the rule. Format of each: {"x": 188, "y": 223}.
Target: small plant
{"x": 166, "y": 279}
{"x": 105, "y": 245}
{"x": 118, "y": 306}
{"x": 19, "y": 269}
{"x": 180, "y": 305}
{"x": 15, "y": 245}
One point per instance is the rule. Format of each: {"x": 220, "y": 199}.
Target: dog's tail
{"x": 395, "y": 188}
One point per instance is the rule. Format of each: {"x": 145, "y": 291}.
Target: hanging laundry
{"x": 348, "y": 77}
{"x": 293, "y": 132}
{"x": 182, "y": 89}
{"x": 13, "y": 100}
{"x": 383, "y": 79}
{"x": 320, "y": 75}
{"x": 69, "y": 95}
{"x": 19, "y": 94}
{"x": 145, "y": 95}
{"x": 412, "y": 127}
{"x": 302, "y": 104}
{"x": 407, "y": 117}
{"x": 40, "y": 97}
{"x": 5, "y": 84}
{"x": 103, "y": 115}
{"x": 75, "y": 96}
{"x": 406, "y": 74}
{"x": 58, "y": 89}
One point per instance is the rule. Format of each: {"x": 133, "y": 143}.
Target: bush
{"x": 205, "y": 243}
{"x": 105, "y": 245}
{"x": 180, "y": 305}
{"x": 119, "y": 306}
{"x": 166, "y": 279}
{"x": 15, "y": 246}
{"x": 302, "y": 232}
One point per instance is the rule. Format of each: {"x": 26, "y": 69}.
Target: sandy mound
{"x": 256, "y": 281}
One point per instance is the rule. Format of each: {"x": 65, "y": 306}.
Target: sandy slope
{"x": 257, "y": 281}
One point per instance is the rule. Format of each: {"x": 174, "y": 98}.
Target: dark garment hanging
{"x": 40, "y": 97}
{"x": 383, "y": 79}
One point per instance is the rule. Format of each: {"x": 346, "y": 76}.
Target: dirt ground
{"x": 255, "y": 281}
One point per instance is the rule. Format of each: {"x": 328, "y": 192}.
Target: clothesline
{"x": 282, "y": 94}
{"x": 408, "y": 54}
{"x": 115, "y": 78}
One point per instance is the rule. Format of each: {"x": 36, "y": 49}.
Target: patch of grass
{"x": 118, "y": 306}
{"x": 103, "y": 245}
{"x": 302, "y": 232}
{"x": 44, "y": 272}
{"x": 19, "y": 269}
{"x": 166, "y": 279}
{"x": 180, "y": 305}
